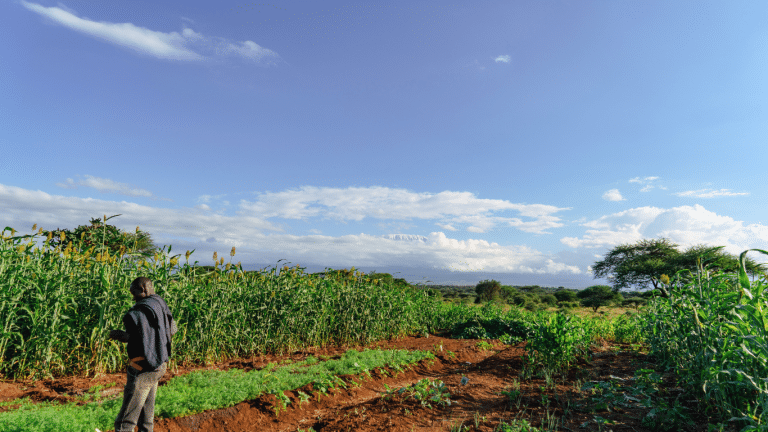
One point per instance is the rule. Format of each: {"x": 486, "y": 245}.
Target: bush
{"x": 635, "y": 302}
{"x": 488, "y": 290}
{"x": 518, "y": 299}
{"x": 507, "y": 292}
{"x": 531, "y": 306}
{"x": 565, "y": 296}
{"x": 432, "y": 292}
{"x": 492, "y": 329}
{"x": 549, "y": 299}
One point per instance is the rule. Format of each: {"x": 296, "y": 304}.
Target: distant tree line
{"x": 535, "y": 297}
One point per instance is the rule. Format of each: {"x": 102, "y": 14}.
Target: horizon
{"x": 519, "y": 142}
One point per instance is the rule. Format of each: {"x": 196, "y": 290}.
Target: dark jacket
{"x": 150, "y": 326}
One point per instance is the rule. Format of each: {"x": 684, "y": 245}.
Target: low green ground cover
{"x": 213, "y": 389}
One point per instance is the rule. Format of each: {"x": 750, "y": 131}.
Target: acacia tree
{"x": 139, "y": 244}
{"x": 598, "y": 295}
{"x": 646, "y": 262}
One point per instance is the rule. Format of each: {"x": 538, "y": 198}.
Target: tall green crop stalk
{"x": 57, "y": 306}
{"x": 558, "y": 340}
{"x": 713, "y": 332}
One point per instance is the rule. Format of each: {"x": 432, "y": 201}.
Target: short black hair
{"x": 144, "y": 284}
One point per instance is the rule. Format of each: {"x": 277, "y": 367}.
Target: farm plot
{"x": 470, "y": 385}
{"x": 508, "y": 370}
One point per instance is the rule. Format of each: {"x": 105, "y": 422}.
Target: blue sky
{"x": 451, "y": 143}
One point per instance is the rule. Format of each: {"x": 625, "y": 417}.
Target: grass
{"x": 205, "y": 390}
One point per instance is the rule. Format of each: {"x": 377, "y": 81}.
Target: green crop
{"x": 57, "y": 307}
{"x": 199, "y": 391}
{"x": 714, "y": 334}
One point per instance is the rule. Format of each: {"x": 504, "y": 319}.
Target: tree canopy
{"x": 598, "y": 295}
{"x": 646, "y": 261}
{"x": 565, "y": 295}
{"x": 488, "y": 290}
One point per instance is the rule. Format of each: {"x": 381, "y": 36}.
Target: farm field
{"x": 486, "y": 402}
{"x": 343, "y": 350}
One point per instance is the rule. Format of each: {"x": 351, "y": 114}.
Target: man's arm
{"x": 119, "y": 335}
{"x": 174, "y": 329}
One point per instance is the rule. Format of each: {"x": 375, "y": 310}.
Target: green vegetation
{"x": 599, "y": 295}
{"x": 712, "y": 333}
{"x": 100, "y": 235}
{"x": 649, "y": 260}
{"x": 487, "y": 291}
{"x": 426, "y": 392}
{"x": 57, "y": 310}
{"x": 204, "y": 390}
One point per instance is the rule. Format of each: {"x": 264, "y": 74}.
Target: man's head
{"x": 141, "y": 287}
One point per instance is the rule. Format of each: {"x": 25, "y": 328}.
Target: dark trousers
{"x": 139, "y": 400}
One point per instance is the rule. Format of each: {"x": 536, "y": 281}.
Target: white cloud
{"x": 358, "y": 203}
{"x": 170, "y": 46}
{"x": 711, "y": 194}
{"x": 503, "y": 59}
{"x": 249, "y": 50}
{"x": 257, "y": 239}
{"x": 613, "y": 195}
{"x": 685, "y": 226}
{"x": 66, "y": 9}
{"x": 260, "y": 240}
{"x": 108, "y": 186}
{"x": 647, "y": 180}
{"x": 447, "y": 227}
{"x": 643, "y": 180}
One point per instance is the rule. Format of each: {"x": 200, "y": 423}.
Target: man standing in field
{"x": 149, "y": 326}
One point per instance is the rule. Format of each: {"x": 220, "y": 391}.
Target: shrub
{"x": 565, "y": 296}
{"x": 507, "y": 292}
{"x": 531, "y": 306}
{"x": 636, "y": 302}
{"x": 518, "y": 299}
{"x": 549, "y": 299}
{"x": 492, "y": 329}
{"x": 488, "y": 290}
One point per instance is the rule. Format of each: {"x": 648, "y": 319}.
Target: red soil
{"x": 478, "y": 405}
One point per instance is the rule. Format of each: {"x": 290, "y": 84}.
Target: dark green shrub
{"x": 635, "y": 302}
{"x": 488, "y": 290}
{"x": 565, "y": 296}
{"x": 507, "y": 292}
{"x": 492, "y": 329}
{"x": 518, "y": 299}
{"x": 549, "y": 299}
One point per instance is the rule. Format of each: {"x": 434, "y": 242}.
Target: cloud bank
{"x": 259, "y": 239}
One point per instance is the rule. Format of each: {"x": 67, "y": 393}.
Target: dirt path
{"x": 478, "y": 405}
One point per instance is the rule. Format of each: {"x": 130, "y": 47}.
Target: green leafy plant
{"x": 425, "y": 391}
{"x": 483, "y": 345}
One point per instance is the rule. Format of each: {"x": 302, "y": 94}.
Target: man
{"x": 149, "y": 326}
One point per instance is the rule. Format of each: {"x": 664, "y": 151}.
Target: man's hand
{"x": 118, "y": 335}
